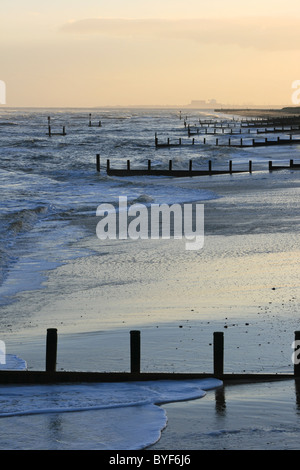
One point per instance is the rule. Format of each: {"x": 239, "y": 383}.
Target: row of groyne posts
{"x": 170, "y": 171}
{"x": 241, "y": 143}
{"x": 211, "y": 126}
{"x": 63, "y": 133}
{"x": 51, "y": 375}
{"x": 286, "y": 125}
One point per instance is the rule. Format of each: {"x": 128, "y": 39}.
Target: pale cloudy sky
{"x": 135, "y": 52}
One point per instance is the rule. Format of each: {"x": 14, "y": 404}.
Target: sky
{"x": 75, "y": 53}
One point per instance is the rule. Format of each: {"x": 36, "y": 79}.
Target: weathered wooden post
{"x": 291, "y": 163}
{"x": 270, "y": 165}
{"x": 49, "y": 131}
{"x": 170, "y": 165}
{"x": 149, "y": 165}
{"x": 51, "y": 349}
{"x": 180, "y": 141}
{"x": 296, "y": 361}
{"x": 98, "y": 162}
{"x": 190, "y": 165}
{"x": 128, "y": 165}
{"x": 107, "y": 166}
{"x": 64, "y": 131}
{"x": 250, "y": 166}
{"x": 156, "y": 141}
{"x": 218, "y": 353}
{"x": 230, "y": 166}
{"x": 135, "y": 351}
{"x": 209, "y": 165}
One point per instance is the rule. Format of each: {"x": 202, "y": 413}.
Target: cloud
{"x": 262, "y": 33}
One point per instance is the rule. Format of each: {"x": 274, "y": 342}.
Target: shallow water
{"x": 107, "y": 416}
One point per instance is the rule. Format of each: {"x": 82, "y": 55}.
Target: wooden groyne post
{"x": 135, "y": 351}
{"x": 218, "y": 353}
{"x": 98, "y": 162}
{"x": 51, "y": 349}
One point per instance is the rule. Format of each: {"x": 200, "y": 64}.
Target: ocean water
{"x": 46, "y": 183}
{"x": 122, "y": 416}
{"x": 48, "y": 186}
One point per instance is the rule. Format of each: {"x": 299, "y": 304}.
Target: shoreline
{"x": 235, "y": 417}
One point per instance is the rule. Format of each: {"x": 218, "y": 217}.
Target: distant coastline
{"x": 260, "y": 112}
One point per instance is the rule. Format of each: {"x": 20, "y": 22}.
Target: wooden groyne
{"x": 241, "y": 143}
{"x": 149, "y": 171}
{"x": 291, "y": 166}
{"x": 232, "y": 131}
{"x": 51, "y": 134}
{"x": 94, "y": 125}
{"x": 51, "y": 375}
{"x": 190, "y": 172}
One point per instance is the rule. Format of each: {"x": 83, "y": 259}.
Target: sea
{"x": 49, "y": 181}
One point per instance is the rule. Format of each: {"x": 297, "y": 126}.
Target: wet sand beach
{"x": 237, "y": 417}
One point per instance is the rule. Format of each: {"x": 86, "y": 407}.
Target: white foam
{"x": 127, "y": 415}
